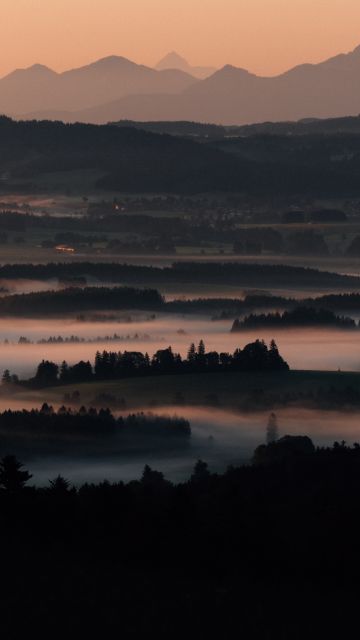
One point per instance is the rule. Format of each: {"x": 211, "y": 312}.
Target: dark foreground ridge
{"x": 218, "y": 553}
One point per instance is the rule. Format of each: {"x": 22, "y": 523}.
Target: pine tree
{"x": 201, "y": 472}
{"x": 64, "y": 371}
{"x": 201, "y": 348}
{"x": 98, "y": 363}
{"x": 191, "y": 354}
{"x": 200, "y": 355}
{"x": 59, "y": 485}
{"x": 12, "y": 477}
{"x": 6, "y": 378}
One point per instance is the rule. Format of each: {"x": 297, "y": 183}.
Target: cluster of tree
{"x": 80, "y": 340}
{"x": 144, "y": 203}
{"x": 320, "y": 216}
{"x": 232, "y": 547}
{"x": 336, "y": 301}
{"x": 74, "y": 239}
{"x": 255, "y": 356}
{"x": 306, "y": 243}
{"x": 162, "y": 244}
{"x": 74, "y": 299}
{"x": 229, "y": 308}
{"x": 307, "y": 126}
{"x": 149, "y": 245}
{"x": 181, "y": 128}
{"x": 77, "y": 228}
{"x": 298, "y": 317}
{"x": 325, "y": 126}
{"x": 258, "y": 240}
{"x": 70, "y": 426}
{"x": 245, "y": 275}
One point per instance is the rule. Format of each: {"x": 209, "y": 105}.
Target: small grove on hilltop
{"x": 110, "y": 365}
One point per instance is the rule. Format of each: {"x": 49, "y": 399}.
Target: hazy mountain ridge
{"x": 108, "y": 79}
{"x": 231, "y": 95}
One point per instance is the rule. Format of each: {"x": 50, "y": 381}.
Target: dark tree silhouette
{"x": 6, "y": 378}
{"x": 59, "y": 485}
{"x": 47, "y": 373}
{"x": 12, "y": 475}
{"x": 201, "y": 472}
{"x": 111, "y": 365}
{"x": 152, "y": 478}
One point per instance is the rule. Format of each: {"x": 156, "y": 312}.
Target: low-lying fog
{"x": 321, "y": 349}
{"x": 218, "y": 437}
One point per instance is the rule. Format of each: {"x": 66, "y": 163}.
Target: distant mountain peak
{"x": 112, "y": 60}
{"x": 109, "y": 63}
{"x": 229, "y": 71}
{"x": 174, "y": 60}
{"x": 40, "y": 68}
{"x": 35, "y": 69}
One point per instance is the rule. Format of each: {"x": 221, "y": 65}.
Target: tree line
{"x": 40, "y": 430}
{"x": 76, "y": 299}
{"x": 205, "y": 272}
{"x": 298, "y": 317}
{"x": 213, "y": 553}
{"x": 82, "y": 299}
{"x": 73, "y": 339}
{"x": 110, "y": 365}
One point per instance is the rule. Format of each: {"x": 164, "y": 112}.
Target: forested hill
{"x": 199, "y": 130}
{"x": 126, "y": 158}
{"x": 133, "y": 160}
{"x": 235, "y": 273}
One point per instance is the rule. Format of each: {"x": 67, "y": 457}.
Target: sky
{"x": 263, "y": 36}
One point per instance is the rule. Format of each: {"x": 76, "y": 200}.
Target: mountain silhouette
{"x": 174, "y": 61}
{"x": 115, "y": 89}
{"x": 110, "y": 78}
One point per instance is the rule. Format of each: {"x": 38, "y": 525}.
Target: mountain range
{"x": 115, "y": 88}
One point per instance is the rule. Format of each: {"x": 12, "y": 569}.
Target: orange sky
{"x": 264, "y": 36}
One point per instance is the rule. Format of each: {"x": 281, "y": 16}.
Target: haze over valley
{"x": 180, "y": 318}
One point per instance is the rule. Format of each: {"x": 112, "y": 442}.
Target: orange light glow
{"x": 264, "y": 36}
